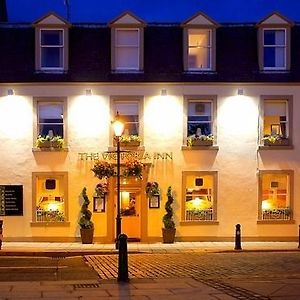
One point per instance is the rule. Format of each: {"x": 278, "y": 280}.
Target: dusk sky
{"x": 102, "y": 11}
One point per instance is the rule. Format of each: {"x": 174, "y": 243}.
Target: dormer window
{"x": 199, "y": 44}
{"x": 274, "y": 43}
{"x": 52, "y": 49}
{"x": 127, "y": 49}
{"x": 51, "y": 44}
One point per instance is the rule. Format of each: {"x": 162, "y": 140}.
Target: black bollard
{"x": 298, "y": 238}
{"x": 123, "y": 258}
{"x": 238, "y": 237}
{"x": 1, "y": 235}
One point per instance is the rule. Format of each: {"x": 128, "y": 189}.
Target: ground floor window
{"x": 275, "y": 195}
{"x": 199, "y": 196}
{"x": 50, "y": 197}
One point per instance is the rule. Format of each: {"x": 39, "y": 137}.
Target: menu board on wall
{"x": 11, "y": 200}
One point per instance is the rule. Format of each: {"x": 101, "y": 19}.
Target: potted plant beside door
{"x": 169, "y": 229}
{"x": 85, "y": 223}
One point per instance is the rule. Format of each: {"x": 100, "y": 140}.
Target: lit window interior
{"x": 50, "y": 199}
{"x": 275, "y": 196}
{"x": 199, "y": 197}
{"x": 128, "y": 204}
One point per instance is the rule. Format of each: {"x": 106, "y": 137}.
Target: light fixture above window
{"x": 88, "y": 92}
{"x": 240, "y": 92}
{"x": 10, "y": 92}
{"x": 163, "y": 92}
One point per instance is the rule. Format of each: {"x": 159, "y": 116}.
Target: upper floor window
{"x": 199, "y": 43}
{"x": 200, "y": 121}
{"x": 127, "y": 35}
{"x": 51, "y": 44}
{"x": 199, "y": 49}
{"x": 200, "y": 190}
{"x": 275, "y": 195}
{"x": 274, "y": 48}
{"x": 274, "y": 43}
{"x": 276, "y": 121}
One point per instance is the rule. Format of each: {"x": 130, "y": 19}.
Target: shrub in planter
{"x": 169, "y": 228}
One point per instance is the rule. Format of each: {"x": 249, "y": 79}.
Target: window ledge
{"x": 276, "y": 147}
{"x": 129, "y": 148}
{"x": 37, "y": 149}
{"x": 194, "y": 72}
{"x": 200, "y": 148}
{"x": 127, "y": 71}
{"x": 195, "y": 223}
{"x": 50, "y": 224}
{"x": 275, "y": 71}
{"x": 272, "y": 222}
{"x": 51, "y": 71}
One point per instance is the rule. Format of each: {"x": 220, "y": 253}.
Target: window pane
{"x": 127, "y": 38}
{"x": 52, "y": 37}
{"x": 199, "y": 118}
{"x": 52, "y": 57}
{"x": 275, "y": 202}
{"x": 127, "y": 58}
{"x": 199, "y": 197}
{"x": 198, "y": 37}
{"x": 275, "y": 118}
{"x": 274, "y": 37}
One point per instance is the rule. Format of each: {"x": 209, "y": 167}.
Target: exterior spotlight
{"x": 88, "y": 92}
{"x": 240, "y": 92}
{"x": 10, "y": 92}
{"x": 164, "y": 92}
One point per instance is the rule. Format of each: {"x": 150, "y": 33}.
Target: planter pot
{"x": 87, "y": 235}
{"x": 46, "y": 144}
{"x": 129, "y": 144}
{"x": 168, "y": 235}
{"x": 56, "y": 145}
{"x": 202, "y": 143}
{"x": 282, "y": 142}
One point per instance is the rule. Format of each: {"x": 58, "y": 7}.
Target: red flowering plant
{"x": 152, "y": 189}
{"x": 103, "y": 169}
{"x": 101, "y": 189}
{"x": 133, "y": 168}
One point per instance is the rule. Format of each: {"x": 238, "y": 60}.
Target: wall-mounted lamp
{"x": 88, "y": 92}
{"x": 163, "y": 92}
{"x": 10, "y": 92}
{"x": 240, "y": 92}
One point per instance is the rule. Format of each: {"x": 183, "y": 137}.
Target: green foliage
{"x": 272, "y": 138}
{"x": 168, "y": 217}
{"x": 191, "y": 139}
{"x": 49, "y": 141}
{"x": 126, "y": 139}
{"x": 152, "y": 188}
{"x": 86, "y": 215}
{"x": 103, "y": 169}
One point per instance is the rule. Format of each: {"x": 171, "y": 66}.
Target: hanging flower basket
{"x": 103, "y": 169}
{"x": 152, "y": 189}
{"x": 101, "y": 189}
{"x": 133, "y": 168}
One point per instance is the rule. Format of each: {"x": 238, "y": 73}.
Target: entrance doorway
{"x": 131, "y": 214}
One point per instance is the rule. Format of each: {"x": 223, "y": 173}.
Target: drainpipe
{"x": 3, "y": 11}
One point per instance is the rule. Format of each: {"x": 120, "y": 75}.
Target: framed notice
{"x": 99, "y": 204}
{"x": 154, "y": 201}
{"x": 11, "y": 200}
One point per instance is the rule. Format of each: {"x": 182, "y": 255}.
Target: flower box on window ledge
{"x": 275, "y": 140}
{"x": 48, "y": 142}
{"x": 200, "y": 140}
{"x": 129, "y": 141}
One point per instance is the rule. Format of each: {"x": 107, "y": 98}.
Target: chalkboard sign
{"x": 11, "y": 200}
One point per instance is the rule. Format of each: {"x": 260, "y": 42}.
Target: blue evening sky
{"x": 103, "y": 11}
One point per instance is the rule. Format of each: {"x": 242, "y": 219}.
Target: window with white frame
{"x": 127, "y": 49}
{"x": 50, "y": 118}
{"x": 52, "y": 49}
{"x": 277, "y": 120}
{"x": 199, "y": 118}
{"x": 199, "y": 197}
{"x": 50, "y": 197}
{"x": 199, "y": 49}
{"x": 129, "y": 114}
{"x": 275, "y": 195}
{"x": 274, "y": 48}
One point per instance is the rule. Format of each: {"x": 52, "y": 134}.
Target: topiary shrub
{"x": 86, "y": 215}
{"x": 168, "y": 217}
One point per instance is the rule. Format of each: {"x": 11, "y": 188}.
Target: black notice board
{"x": 11, "y": 200}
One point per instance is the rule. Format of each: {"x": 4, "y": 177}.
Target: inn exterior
{"x": 214, "y": 106}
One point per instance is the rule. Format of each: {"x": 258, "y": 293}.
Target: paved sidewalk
{"x": 38, "y": 248}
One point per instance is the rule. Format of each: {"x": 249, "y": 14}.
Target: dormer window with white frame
{"x": 199, "y": 44}
{"x": 51, "y": 44}
{"x": 274, "y": 35}
{"x": 127, "y": 39}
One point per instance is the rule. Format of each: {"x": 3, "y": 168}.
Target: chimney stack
{"x": 3, "y": 11}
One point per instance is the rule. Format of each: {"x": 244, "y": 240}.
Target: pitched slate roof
{"x": 153, "y": 11}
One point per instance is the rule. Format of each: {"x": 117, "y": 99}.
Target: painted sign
{"x": 11, "y": 200}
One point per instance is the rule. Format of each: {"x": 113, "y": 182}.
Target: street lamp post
{"x": 118, "y": 127}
